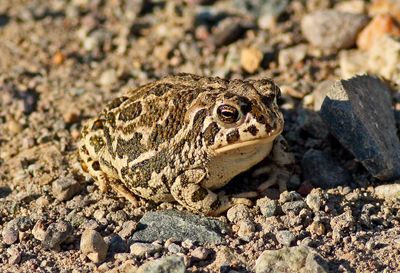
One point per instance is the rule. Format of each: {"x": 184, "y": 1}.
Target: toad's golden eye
{"x": 228, "y": 113}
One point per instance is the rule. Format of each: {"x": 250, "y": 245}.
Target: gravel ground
{"x": 61, "y": 60}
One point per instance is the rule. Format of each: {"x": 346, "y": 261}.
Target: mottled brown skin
{"x": 181, "y": 137}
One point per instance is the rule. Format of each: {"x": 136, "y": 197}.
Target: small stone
{"x": 227, "y": 32}
{"x": 332, "y": 29}
{"x": 285, "y": 237}
{"x": 250, "y": 59}
{"x": 93, "y": 246}
{"x": 128, "y": 228}
{"x": 238, "y": 213}
{"x": 317, "y": 228}
{"x": 14, "y": 127}
{"x": 314, "y": 201}
{"x": 352, "y": 62}
{"x": 175, "y": 248}
{"x": 389, "y": 191}
{"x": 144, "y": 249}
{"x": 343, "y": 222}
{"x": 169, "y": 264}
{"x": 323, "y": 171}
{"x": 294, "y": 206}
{"x": 56, "y": 234}
{"x": 291, "y": 259}
{"x": 108, "y": 77}
{"x": 359, "y": 114}
{"x": 267, "y": 206}
{"x": 351, "y": 6}
{"x": 10, "y": 236}
{"x": 65, "y": 188}
{"x": 384, "y": 58}
{"x": 39, "y": 230}
{"x": 59, "y": 58}
{"x": 71, "y": 116}
{"x": 162, "y": 225}
{"x": 115, "y": 244}
{"x": 246, "y": 230}
{"x": 391, "y": 7}
{"x": 291, "y": 56}
{"x": 200, "y": 253}
{"x": 381, "y": 25}
{"x": 289, "y": 196}
{"x": 320, "y": 92}
{"x": 15, "y": 256}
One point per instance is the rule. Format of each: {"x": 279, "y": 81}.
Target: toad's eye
{"x": 228, "y": 113}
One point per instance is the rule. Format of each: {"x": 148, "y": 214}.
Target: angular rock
{"x": 332, "y": 29}
{"x": 56, "y": 234}
{"x": 162, "y": 225}
{"x": 169, "y": 264}
{"x": 324, "y": 171}
{"x": 93, "y": 246}
{"x": 359, "y": 114}
{"x": 389, "y": 191}
{"x": 65, "y": 188}
{"x": 300, "y": 259}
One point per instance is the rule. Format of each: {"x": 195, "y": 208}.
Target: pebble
{"x": 317, "y": 228}
{"x": 65, "y": 188}
{"x": 314, "y": 200}
{"x": 39, "y": 230}
{"x": 56, "y": 234}
{"x": 10, "y": 236}
{"x": 200, "y": 253}
{"x": 352, "y": 6}
{"x": 238, "y": 213}
{"x": 181, "y": 225}
{"x": 352, "y": 62}
{"x": 246, "y": 230}
{"x": 227, "y": 32}
{"x": 268, "y": 207}
{"x": 342, "y": 222}
{"x": 331, "y": 29}
{"x": 359, "y": 114}
{"x": 292, "y": 55}
{"x": 293, "y": 206}
{"x": 285, "y": 237}
{"x": 168, "y": 264}
{"x": 13, "y": 228}
{"x": 291, "y": 259}
{"x": 115, "y": 244}
{"x": 250, "y": 59}
{"x": 323, "y": 171}
{"x": 388, "y": 191}
{"x": 384, "y": 59}
{"x": 15, "y": 255}
{"x": 289, "y": 196}
{"x": 175, "y": 248}
{"x": 144, "y": 249}
{"x": 108, "y": 77}
{"x": 382, "y": 24}
{"x": 93, "y": 246}
{"x": 128, "y": 228}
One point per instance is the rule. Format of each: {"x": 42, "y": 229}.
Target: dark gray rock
{"x": 332, "y": 29}
{"x": 162, "y": 225}
{"x": 359, "y": 114}
{"x": 294, "y": 206}
{"x": 324, "y": 171}
{"x": 56, "y": 234}
{"x": 312, "y": 123}
{"x": 291, "y": 259}
{"x": 169, "y": 264}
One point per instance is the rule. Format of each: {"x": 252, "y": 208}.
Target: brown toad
{"x": 182, "y": 137}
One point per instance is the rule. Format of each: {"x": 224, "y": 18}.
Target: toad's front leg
{"x": 281, "y": 168}
{"x": 187, "y": 190}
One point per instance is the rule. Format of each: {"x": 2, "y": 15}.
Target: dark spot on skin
{"x": 116, "y": 103}
{"x": 97, "y": 125}
{"x": 245, "y": 104}
{"x": 215, "y": 205}
{"x": 229, "y": 95}
{"x": 164, "y": 179}
{"x": 131, "y": 112}
{"x": 131, "y": 148}
{"x": 97, "y": 142}
{"x": 110, "y": 117}
{"x": 252, "y": 129}
{"x": 199, "y": 195}
{"x": 232, "y": 136}
{"x": 160, "y": 89}
{"x": 108, "y": 138}
{"x": 96, "y": 166}
{"x": 84, "y": 150}
{"x": 210, "y": 133}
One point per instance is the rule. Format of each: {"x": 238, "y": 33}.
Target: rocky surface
{"x": 61, "y": 61}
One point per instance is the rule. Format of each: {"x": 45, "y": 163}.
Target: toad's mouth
{"x": 248, "y": 143}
